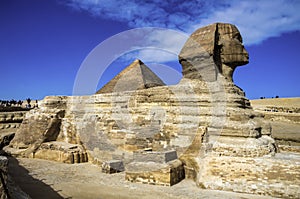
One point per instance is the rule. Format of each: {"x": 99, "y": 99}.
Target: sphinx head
{"x": 216, "y": 48}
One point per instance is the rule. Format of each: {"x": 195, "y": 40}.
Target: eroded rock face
{"x": 213, "y": 49}
{"x": 61, "y": 152}
{"x": 5, "y": 139}
{"x": 38, "y": 126}
{"x": 4, "y": 181}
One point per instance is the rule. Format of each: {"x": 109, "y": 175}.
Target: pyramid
{"x": 136, "y": 76}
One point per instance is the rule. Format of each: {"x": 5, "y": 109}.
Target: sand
{"x": 51, "y": 180}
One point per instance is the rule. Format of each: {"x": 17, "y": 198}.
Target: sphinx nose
{"x": 246, "y": 53}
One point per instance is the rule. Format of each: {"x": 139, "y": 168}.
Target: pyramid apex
{"x": 134, "y": 77}
{"x": 138, "y": 61}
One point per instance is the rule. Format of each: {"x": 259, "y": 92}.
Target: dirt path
{"x": 51, "y": 180}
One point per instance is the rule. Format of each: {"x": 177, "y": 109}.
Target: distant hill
{"x": 279, "y": 102}
{"x": 284, "y": 116}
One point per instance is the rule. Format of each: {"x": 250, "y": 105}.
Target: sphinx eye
{"x": 238, "y": 37}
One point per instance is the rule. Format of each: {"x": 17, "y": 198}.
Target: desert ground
{"x": 285, "y": 125}
{"x": 51, "y": 180}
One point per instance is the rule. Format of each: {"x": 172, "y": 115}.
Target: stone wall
{"x": 167, "y": 174}
{"x": 277, "y": 176}
{"x": 159, "y": 118}
{"x": 61, "y": 152}
{"x": 11, "y": 120}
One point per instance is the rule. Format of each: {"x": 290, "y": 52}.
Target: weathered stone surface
{"x": 4, "y": 181}
{"x": 191, "y": 155}
{"x": 12, "y": 117}
{"x": 278, "y": 176}
{"x": 38, "y": 136}
{"x": 61, "y": 152}
{"x": 134, "y": 77}
{"x": 145, "y": 172}
{"x": 38, "y": 127}
{"x": 11, "y": 120}
{"x": 5, "y": 139}
{"x": 155, "y": 167}
{"x": 213, "y": 49}
{"x": 155, "y": 156}
{"x": 112, "y": 166}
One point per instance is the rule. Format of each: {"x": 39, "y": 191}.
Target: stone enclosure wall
{"x": 11, "y": 120}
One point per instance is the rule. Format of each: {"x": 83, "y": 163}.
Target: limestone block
{"x": 53, "y": 102}
{"x": 112, "y": 166}
{"x": 286, "y": 148}
{"x": 12, "y": 117}
{"x": 12, "y": 126}
{"x": 38, "y": 126}
{"x": 11, "y": 120}
{"x": 147, "y": 173}
{"x": 155, "y": 167}
{"x": 61, "y": 152}
{"x": 155, "y": 156}
{"x": 277, "y": 176}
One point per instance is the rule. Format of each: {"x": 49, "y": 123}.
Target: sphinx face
{"x": 232, "y": 51}
{"x": 220, "y": 41}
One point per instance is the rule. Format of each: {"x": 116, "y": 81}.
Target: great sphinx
{"x": 206, "y": 119}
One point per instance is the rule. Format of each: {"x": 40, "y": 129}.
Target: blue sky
{"x": 44, "y": 43}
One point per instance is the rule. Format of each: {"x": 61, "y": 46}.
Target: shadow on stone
{"x": 36, "y": 189}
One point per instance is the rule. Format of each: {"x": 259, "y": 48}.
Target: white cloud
{"x": 166, "y": 46}
{"x": 257, "y": 20}
{"x": 155, "y": 45}
{"x": 151, "y": 55}
{"x": 260, "y": 20}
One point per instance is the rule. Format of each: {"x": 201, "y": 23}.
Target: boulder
{"x": 112, "y": 166}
